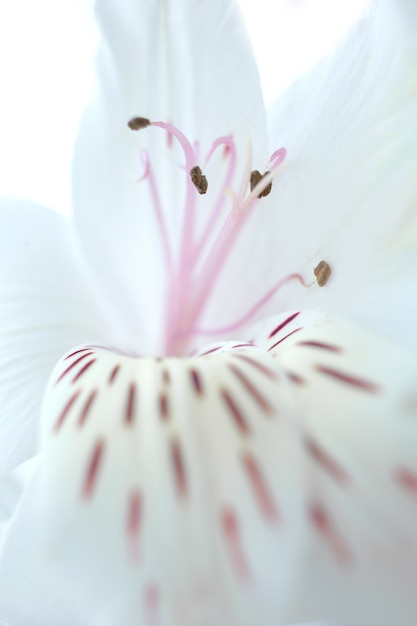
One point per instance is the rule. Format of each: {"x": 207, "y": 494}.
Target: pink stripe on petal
{"x": 236, "y": 413}
{"x": 295, "y": 378}
{"x": 283, "y": 324}
{"x": 326, "y": 461}
{"x": 87, "y": 408}
{"x": 77, "y": 352}
{"x": 320, "y": 345}
{"x": 133, "y": 523}
{"x": 196, "y": 381}
{"x": 65, "y": 411}
{"x": 166, "y": 377}
{"x": 83, "y": 370}
{"x": 231, "y": 531}
{"x": 113, "y": 374}
{"x": 152, "y": 601}
{"x": 163, "y": 407}
{"x": 130, "y": 405}
{"x": 284, "y": 338}
{"x": 73, "y": 364}
{"x": 93, "y": 469}
{"x": 179, "y": 469}
{"x": 323, "y": 525}
{"x": 407, "y": 479}
{"x": 252, "y": 390}
{"x": 260, "y": 488}
{"x": 259, "y": 366}
{"x": 348, "y": 379}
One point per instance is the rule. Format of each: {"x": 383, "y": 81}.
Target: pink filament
{"x": 252, "y": 312}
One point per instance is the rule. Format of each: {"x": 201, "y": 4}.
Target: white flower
{"x": 269, "y": 477}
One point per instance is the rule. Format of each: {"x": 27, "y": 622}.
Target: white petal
{"x": 44, "y": 309}
{"x": 349, "y": 191}
{"x": 177, "y": 61}
{"x": 249, "y": 485}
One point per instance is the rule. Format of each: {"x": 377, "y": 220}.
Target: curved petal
{"x": 156, "y": 60}
{"x": 268, "y": 483}
{"x": 44, "y": 309}
{"x": 348, "y": 193}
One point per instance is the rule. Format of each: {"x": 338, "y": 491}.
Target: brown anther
{"x": 198, "y": 179}
{"x": 255, "y": 178}
{"x": 137, "y": 123}
{"x": 322, "y": 273}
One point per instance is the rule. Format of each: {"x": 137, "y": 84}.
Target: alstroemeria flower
{"x": 217, "y": 447}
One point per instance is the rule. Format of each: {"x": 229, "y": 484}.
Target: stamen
{"x": 199, "y": 180}
{"x": 255, "y": 178}
{"x": 137, "y": 123}
{"x": 322, "y": 273}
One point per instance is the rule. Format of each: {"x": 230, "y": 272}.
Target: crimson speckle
{"x": 260, "y": 488}
{"x": 83, "y": 370}
{"x": 326, "y": 461}
{"x": 93, "y": 468}
{"x": 65, "y": 411}
{"x": 87, "y": 408}
{"x": 130, "y": 405}
{"x": 323, "y": 525}
{"x": 179, "y": 468}
{"x": 284, "y": 338}
{"x": 320, "y": 345}
{"x": 73, "y": 364}
{"x": 231, "y": 531}
{"x": 113, "y": 374}
{"x": 235, "y": 412}
{"x": 348, "y": 379}
{"x": 283, "y": 324}
{"x": 196, "y": 380}
{"x": 252, "y": 390}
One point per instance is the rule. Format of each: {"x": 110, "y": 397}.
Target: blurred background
{"x": 46, "y": 51}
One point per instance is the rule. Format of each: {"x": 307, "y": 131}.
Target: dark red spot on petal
{"x": 348, "y": 379}
{"x": 93, "y": 468}
{"x": 283, "y": 324}
{"x": 163, "y": 407}
{"x": 326, "y": 461}
{"x": 252, "y": 390}
{"x": 73, "y": 364}
{"x": 284, "y": 338}
{"x": 133, "y": 523}
{"x": 257, "y": 365}
{"x": 235, "y": 412}
{"x": 260, "y": 488}
{"x": 179, "y": 468}
{"x": 130, "y": 405}
{"x": 324, "y": 526}
{"x": 196, "y": 381}
{"x": 65, "y": 411}
{"x": 231, "y": 531}
{"x": 87, "y": 407}
{"x": 113, "y": 374}
{"x": 320, "y": 345}
{"x": 83, "y": 370}
{"x": 407, "y": 479}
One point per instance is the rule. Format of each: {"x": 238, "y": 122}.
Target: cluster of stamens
{"x": 188, "y": 294}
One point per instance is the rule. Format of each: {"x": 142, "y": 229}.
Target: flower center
{"x": 189, "y": 290}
